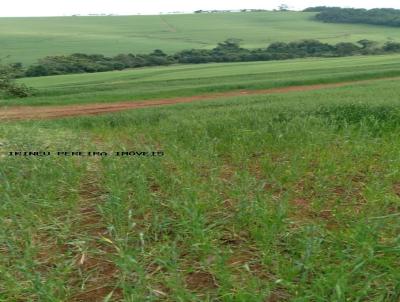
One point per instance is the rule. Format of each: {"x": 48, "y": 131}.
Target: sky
{"x": 15, "y": 8}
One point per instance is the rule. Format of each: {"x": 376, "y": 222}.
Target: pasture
{"x": 28, "y": 39}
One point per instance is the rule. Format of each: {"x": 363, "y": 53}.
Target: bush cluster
{"x": 8, "y": 87}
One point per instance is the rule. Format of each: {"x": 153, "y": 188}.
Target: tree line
{"x": 376, "y": 16}
{"x": 227, "y": 51}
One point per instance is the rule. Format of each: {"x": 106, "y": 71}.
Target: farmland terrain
{"x": 49, "y": 112}
{"x": 283, "y": 197}
{"x": 111, "y": 35}
{"x": 189, "y": 80}
{"x": 260, "y": 181}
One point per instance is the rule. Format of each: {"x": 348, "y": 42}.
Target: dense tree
{"x": 300, "y": 49}
{"x": 392, "y": 47}
{"x": 377, "y": 16}
{"x": 346, "y": 49}
{"x": 194, "y": 56}
{"x": 367, "y": 44}
{"x": 318, "y": 9}
{"x": 81, "y": 63}
{"x": 283, "y": 7}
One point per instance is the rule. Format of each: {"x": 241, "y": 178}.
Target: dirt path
{"x": 50, "y": 112}
{"x": 170, "y": 27}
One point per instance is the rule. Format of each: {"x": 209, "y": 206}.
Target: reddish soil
{"x": 51, "y": 112}
{"x": 200, "y": 281}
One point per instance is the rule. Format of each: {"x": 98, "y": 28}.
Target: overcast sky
{"x": 129, "y": 7}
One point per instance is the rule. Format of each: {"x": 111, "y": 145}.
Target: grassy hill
{"x": 27, "y": 39}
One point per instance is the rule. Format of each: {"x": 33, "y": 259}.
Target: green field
{"x": 186, "y": 80}
{"x": 289, "y": 197}
{"x": 27, "y": 39}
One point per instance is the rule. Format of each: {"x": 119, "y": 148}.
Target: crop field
{"x": 141, "y": 34}
{"x": 188, "y": 80}
{"x": 279, "y": 197}
{"x": 249, "y": 182}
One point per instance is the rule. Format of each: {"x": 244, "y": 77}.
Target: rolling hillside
{"x": 27, "y": 39}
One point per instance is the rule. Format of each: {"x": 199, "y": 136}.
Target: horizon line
{"x": 205, "y": 11}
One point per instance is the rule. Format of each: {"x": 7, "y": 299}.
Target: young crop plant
{"x": 284, "y": 197}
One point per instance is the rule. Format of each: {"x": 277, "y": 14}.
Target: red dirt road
{"x": 51, "y": 112}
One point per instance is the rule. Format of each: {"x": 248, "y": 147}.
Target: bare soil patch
{"x": 200, "y": 281}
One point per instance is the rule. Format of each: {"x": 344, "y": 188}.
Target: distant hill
{"x": 27, "y": 39}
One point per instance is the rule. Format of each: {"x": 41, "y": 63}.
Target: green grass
{"x": 27, "y": 39}
{"x": 289, "y": 197}
{"x": 186, "y": 80}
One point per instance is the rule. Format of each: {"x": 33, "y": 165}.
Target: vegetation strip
{"x": 226, "y": 51}
{"x": 26, "y": 112}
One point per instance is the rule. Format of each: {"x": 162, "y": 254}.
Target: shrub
{"x": 8, "y": 85}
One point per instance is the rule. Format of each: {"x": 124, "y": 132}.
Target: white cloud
{"x": 126, "y": 7}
